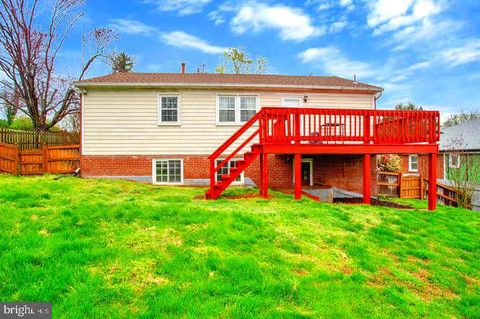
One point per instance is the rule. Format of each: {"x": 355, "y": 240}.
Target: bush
{"x": 3, "y": 123}
{"x": 389, "y": 163}
{"x": 22, "y": 123}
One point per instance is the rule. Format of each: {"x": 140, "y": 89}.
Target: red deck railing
{"x": 340, "y": 126}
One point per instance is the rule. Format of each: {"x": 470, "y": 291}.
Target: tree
{"x": 8, "y": 110}
{"x": 462, "y": 117}
{"x": 121, "y": 62}
{"x": 237, "y": 61}
{"x": 408, "y": 107}
{"x": 31, "y": 39}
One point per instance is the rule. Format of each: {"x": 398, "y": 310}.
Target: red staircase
{"x": 217, "y": 187}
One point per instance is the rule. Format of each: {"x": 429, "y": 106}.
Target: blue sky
{"x": 424, "y": 51}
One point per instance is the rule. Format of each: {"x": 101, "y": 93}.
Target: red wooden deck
{"x": 275, "y": 130}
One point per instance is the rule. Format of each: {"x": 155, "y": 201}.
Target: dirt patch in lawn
{"x": 374, "y": 201}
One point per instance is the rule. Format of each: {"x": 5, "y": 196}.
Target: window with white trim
{"x": 225, "y": 170}
{"x": 454, "y": 160}
{"x": 413, "y": 163}
{"x": 248, "y": 107}
{"x": 168, "y": 171}
{"x": 236, "y": 109}
{"x": 169, "y": 109}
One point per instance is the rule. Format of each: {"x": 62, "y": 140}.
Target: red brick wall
{"x": 423, "y": 165}
{"x": 336, "y": 170}
{"x": 125, "y": 165}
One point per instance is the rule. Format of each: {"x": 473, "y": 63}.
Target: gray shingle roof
{"x": 464, "y": 136}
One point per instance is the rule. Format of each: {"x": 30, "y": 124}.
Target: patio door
{"x": 307, "y": 173}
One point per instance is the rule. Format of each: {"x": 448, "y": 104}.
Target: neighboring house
{"x": 460, "y": 146}
{"x": 162, "y": 127}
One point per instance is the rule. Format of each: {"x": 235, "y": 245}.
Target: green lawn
{"x": 108, "y": 249}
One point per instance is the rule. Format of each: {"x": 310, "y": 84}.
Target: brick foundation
{"x": 343, "y": 171}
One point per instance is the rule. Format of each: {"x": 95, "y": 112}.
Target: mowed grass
{"x": 118, "y": 249}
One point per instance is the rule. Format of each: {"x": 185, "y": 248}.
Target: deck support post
{"x": 432, "y": 181}
{"x": 298, "y": 175}
{"x": 366, "y": 179}
{"x": 264, "y": 175}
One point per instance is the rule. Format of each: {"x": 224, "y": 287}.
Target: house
{"x": 460, "y": 147}
{"x": 460, "y": 144}
{"x": 222, "y": 129}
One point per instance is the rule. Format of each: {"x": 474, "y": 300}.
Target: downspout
{"x": 375, "y": 98}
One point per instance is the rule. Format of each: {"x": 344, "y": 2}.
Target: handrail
{"x": 236, "y": 135}
{"x": 215, "y": 168}
{"x": 229, "y": 157}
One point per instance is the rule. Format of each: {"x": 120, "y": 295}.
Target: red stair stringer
{"x": 228, "y": 179}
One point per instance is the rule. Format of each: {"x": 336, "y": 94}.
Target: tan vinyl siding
{"x": 125, "y": 122}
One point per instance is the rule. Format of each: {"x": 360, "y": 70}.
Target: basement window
{"x": 454, "y": 160}
{"x": 413, "y": 163}
{"x": 169, "y": 109}
{"x": 168, "y": 171}
{"x": 225, "y": 170}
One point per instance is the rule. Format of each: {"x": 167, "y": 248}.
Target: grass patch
{"x": 118, "y": 249}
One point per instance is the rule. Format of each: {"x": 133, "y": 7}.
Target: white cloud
{"x": 131, "y": 27}
{"x": 185, "y": 40}
{"x": 470, "y": 52}
{"x": 338, "y": 26}
{"x": 387, "y": 15}
{"x": 332, "y": 61}
{"x": 182, "y": 7}
{"x": 292, "y": 23}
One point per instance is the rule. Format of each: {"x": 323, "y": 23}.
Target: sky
{"x": 423, "y": 51}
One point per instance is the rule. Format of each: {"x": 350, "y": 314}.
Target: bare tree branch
{"x": 28, "y": 58}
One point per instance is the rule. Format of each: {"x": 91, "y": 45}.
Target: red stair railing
{"x": 215, "y": 168}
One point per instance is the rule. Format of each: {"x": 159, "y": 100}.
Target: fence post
{"x": 399, "y": 180}
{"x": 421, "y": 187}
{"x": 17, "y": 160}
{"x": 45, "y": 158}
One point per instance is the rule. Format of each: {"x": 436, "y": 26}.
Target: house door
{"x": 306, "y": 173}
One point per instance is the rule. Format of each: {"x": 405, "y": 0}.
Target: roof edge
{"x": 81, "y": 84}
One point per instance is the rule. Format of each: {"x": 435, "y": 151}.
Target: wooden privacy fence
{"x": 401, "y": 185}
{"x": 413, "y": 186}
{"x": 62, "y": 159}
{"x": 32, "y": 140}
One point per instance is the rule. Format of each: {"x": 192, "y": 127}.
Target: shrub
{"x": 389, "y": 163}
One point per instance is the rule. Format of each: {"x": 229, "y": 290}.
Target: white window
{"x": 236, "y": 109}
{"x": 168, "y": 109}
{"x": 226, "y": 109}
{"x": 292, "y": 101}
{"x": 248, "y": 107}
{"x": 225, "y": 170}
{"x": 413, "y": 163}
{"x": 454, "y": 160}
{"x": 168, "y": 171}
